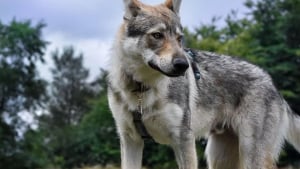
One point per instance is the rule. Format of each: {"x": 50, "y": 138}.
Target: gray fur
{"x": 234, "y": 103}
{"x": 180, "y": 96}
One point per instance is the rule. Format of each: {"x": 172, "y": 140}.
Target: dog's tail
{"x": 293, "y": 135}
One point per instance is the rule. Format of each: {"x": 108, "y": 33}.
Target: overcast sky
{"x": 90, "y": 25}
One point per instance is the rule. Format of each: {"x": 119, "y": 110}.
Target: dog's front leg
{"x": 131, "y": 152}
{"x": 185, "y": 150}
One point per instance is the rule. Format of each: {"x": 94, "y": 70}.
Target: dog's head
{"x": 154, "y": 35}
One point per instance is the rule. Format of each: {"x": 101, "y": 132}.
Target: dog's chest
{"x": 161, "y": 118}
{"x": 163, "y": 122}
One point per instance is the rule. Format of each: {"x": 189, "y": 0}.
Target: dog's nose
{"x": 180, "y": 64}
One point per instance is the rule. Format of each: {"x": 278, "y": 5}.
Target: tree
{"x": 21, "y": 46}
{"x": 69, "y": 101}
{"x": 70, "y": 89}
{"x": 21, "y": 89}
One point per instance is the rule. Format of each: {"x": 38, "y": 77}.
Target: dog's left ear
{"x": 174, "y": 5}
{"x": 132, "y": 8}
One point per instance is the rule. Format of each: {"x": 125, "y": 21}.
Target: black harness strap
{"x": 137, "y": 114}
{"x": 193, "y": 55}
{"x": 139, "y": 125}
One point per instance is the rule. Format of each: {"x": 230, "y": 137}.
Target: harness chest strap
{"x": 137, "y": 114}
{"x": 139, "y": 125}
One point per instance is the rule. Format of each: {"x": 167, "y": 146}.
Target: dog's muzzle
{"x": 180, "y": 65}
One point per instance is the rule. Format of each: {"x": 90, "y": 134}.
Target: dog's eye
{"x": 180, "y": 39}
{"x": 157, "y": 35}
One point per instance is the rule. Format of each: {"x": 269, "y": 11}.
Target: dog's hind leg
{"x": 185, "y": 151}
{"x": 260, "y": 141}
{"x": 261, "y": 135}
{"x": 222, "y": 151}
{"x": 256, "y": 154}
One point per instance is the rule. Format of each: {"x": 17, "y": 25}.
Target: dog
{"x": 178, "y": 95}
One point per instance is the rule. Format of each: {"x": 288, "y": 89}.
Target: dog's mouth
{"x": 174, "y": 73}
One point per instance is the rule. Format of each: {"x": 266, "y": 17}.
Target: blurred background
{"x": 53, "y": 59}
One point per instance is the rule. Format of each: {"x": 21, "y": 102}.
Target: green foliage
{"x": 34, "y": 150}
{"x": 70, "y": 90}
{"x": 7, "y": 144}
{"x": 100, "y": 135}
{"x": 93, "y": 140}
{"x": 69, "y": 102}
{"x": 21, "y": 47}
{"x": 158, "y": 156}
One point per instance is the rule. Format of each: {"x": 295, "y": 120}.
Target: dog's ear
{"x": 174, "y": 5}
{"x": 132, "y": 8}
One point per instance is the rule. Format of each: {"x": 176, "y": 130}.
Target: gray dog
{"x": 176, "y": 95}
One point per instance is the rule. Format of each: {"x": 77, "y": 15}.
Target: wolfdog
{"x": 177, "y": 95}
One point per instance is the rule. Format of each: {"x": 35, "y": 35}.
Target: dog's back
{"x": 243, "y": 103}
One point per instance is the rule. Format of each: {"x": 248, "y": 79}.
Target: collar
{"x": 140, "y": 87}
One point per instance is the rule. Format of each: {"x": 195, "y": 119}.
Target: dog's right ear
{"x": 132, "y": 8}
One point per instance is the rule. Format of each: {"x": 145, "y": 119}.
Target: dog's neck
{"x": 135, "y": 86}
{"x": 138, "y": 72}
{"x": 140, "y": 88}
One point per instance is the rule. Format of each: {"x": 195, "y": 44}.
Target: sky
{"x": 90, "y": 25}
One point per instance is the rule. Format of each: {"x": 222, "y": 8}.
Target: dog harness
{"x": 141, "y": 89}
{"x": 192, "y": 56}
{"x": 137, "y": 114}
